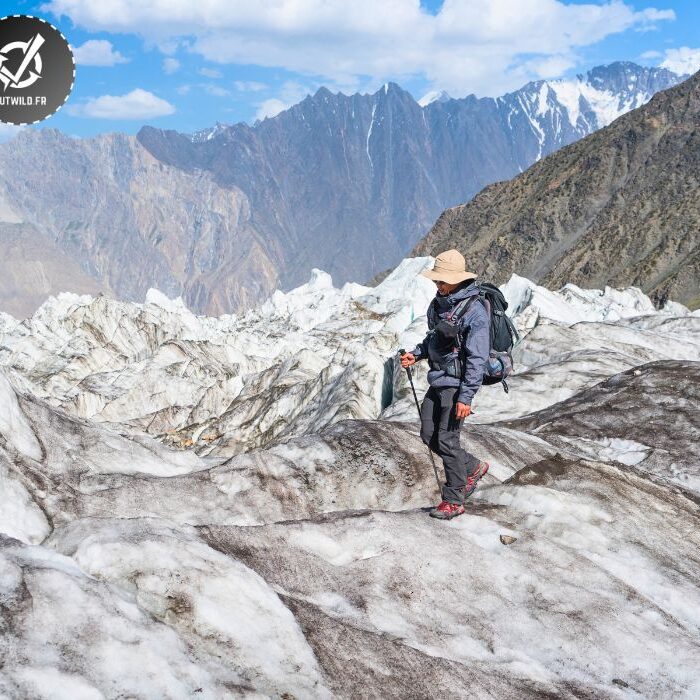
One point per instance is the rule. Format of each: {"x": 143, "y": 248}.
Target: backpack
{"x": 503, "y": 334}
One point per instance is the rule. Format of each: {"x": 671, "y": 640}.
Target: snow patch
{"x": 607, "y": 106}
{"x": 542, "y": 100}
{"x": 627, "y": 452}
{"x": 369, "y": 135}
{"x": 434, "y": 96}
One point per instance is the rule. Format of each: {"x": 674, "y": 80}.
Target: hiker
{"x": 457, "y": 355}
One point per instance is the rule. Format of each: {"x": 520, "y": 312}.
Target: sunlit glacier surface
{"x": 236, "y": 506}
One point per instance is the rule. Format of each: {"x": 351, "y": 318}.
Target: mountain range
{"x": 619, "y": 206}
{"x": 345, "y": 183}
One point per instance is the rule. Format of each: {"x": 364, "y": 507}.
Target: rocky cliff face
{"x": 349, "y": 183}
{"x": 33, "y": 267}
{"x": 622, "y": 204}
{"x": 131, "y": 222}
{"x": 344, "y": 183}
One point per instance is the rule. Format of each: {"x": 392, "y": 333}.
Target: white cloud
{"x": 648, "y": 55}
{"x": 211, "y": 73}
{"x": 290, "y": 93}
{"x": 215, "y": 90}
{"x": 98, "y": 52}
{"x": 270, "y": 108}
{"x": 682, "y": 61}
{"x": 485, "y": 46}
{"x": 543, "y": 68}
{"x": 171, "y": 65}
{"x": 137, "y": 104}
{"x": 249, "y": 86}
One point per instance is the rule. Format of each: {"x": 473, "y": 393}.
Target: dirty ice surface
{"x": 236, "y": 506}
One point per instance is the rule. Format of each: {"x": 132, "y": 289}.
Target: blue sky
{"x": 184, "y": 65}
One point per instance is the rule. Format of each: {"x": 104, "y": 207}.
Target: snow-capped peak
{"x": 579, "y": 96}
{"x": 607, "y": 92}
{"x": 434, "y": 96}
{"x": 210, "y": 133}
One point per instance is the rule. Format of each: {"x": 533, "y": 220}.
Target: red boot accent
{"x": 447, "y": 511}
{"x": 474, "y": 477}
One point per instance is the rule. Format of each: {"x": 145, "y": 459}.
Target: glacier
{"x": 237, "y": 506}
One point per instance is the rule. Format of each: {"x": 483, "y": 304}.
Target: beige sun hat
{"x": 449, "y": 267}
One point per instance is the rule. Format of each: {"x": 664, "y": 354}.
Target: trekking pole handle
{"x": 402, "y": 352}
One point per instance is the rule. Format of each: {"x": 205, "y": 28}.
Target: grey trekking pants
{"x": 440, "y": 432}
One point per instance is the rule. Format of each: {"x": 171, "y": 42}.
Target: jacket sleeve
{"x": 475, "y": 348}
{"x": 420, "y": 352}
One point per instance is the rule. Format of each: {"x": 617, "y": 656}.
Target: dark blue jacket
{"x": 475, "y": 334}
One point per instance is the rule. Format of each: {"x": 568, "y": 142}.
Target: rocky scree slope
{"x": 121, "y": 222}
{"x": 34, "y": 268}
{"x": 618, "y": 207}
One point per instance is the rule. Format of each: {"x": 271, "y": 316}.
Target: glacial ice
{"x": 236, "y": 506}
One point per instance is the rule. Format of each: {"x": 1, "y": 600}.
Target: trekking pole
{"x": 402, "y": 352}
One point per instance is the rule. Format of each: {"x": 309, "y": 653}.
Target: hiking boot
{"x": 473, "y": 478}
{"x": 447, "y": 511}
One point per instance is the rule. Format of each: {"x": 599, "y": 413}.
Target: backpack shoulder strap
{"x": 459, "y": 310}
{"x": 464, "y": 306}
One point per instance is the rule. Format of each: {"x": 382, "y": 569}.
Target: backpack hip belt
{"x": 451, "y": 367}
